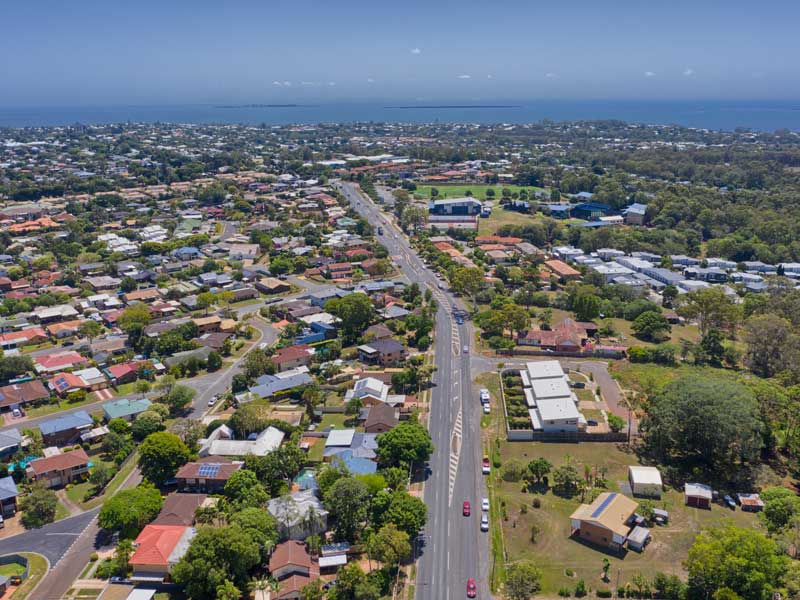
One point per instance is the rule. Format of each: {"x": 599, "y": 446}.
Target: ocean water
{"x": 755, "y": 115}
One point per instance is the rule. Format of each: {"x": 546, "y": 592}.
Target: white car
{"x": 485, "y": 505}
{"x": 484, "y": 523}
{"x": 262, "y": 345}
{"x": 466, "y": 349}
{"x": 212, "y": 401}
{"x": 487, "y": 409}
{"x": 484, "y": 396}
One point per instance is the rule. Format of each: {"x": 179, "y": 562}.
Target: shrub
{"x": 580, "y": 589}
{"x": 569, "y": 572}
{"x": 565, "y": 592}
{"x": 524, "y": 509}
{"x": 604, "y": 593}
{"x": 537, "y": 502}
{"x": 513, "y": 471}
{"x": 621, "y": 591}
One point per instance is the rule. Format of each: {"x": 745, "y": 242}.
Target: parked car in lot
{"x": 466, "y": 509}
{"x": 591, "y": 422}
{"x": 486, "y": 466}
{"x": 729, "y": 502}
{"x": 484, "y": 522}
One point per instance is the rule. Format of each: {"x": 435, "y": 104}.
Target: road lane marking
{"x": 455, "y": 453}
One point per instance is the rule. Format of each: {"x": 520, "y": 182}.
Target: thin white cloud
{"x": 649, "y": 74}
{"x": 370, "y": 80}
{"x": 688, "y": 72}
{"x": 309, "y": 83}
{"x": 331, "y": 83}
{"x": 465, "y": 76}
{"x": 282, "y": 83}
{"x": 490, "y": 77}
{"x": 550, "y": 75}
{"x": 416, "y": 51}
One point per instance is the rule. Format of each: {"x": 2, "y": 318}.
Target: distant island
{"x": 446, "y": 106}
{"x": 265, "y": 106}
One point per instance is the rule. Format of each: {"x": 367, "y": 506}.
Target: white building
{"x": 645, "y": 481}
{"x": 552, "y": 404}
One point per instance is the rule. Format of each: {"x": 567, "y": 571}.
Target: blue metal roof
{"x": 74, "y": 420}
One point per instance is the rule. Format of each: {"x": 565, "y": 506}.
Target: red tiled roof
{"x": 291, "y": 353}
{"x": 155, "y": 543}
{"x": 292, "y": 552}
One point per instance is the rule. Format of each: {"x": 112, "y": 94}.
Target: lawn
{"x": 478, "y": 190}
{"x": 61, "y": 512}
{"x": 554, "y": 552}
{"x": 501, "y": 217}
{"x": 335, "y": 420}
{"x": 78, "y": 492}
{"x": 49, "y": 409}
{"x": 11, "y": 569}
{"x": 38, "y": 566}
{"x": 651, "y": 378}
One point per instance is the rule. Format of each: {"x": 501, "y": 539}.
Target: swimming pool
{"x": 306, "y": 479}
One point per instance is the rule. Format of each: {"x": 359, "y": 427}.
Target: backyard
{"x": 478, "y": 190}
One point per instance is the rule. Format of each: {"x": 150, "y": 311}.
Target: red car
{"x": 466, "y": 509}
{"x": 472, "y": 589}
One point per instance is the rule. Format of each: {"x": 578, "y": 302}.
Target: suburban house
{"x": 10, "y": 441}
{"x": 562, "y": 270}
{"x": 299, "y": 515}
{"x": 179, "y": 509}
{"x": 698, "y": 495}
{"x": 645, "y": 481}
{"x": 372, "y": 391}
{"x": 385, "y": 351}
{"x": 125, "y": 408}
{"x": 567, "y": 336}
{"x": 635, "y": 214}
{"x": 8, "y": 496}
{"x": 605, "y": 522}
{"x": 290, "y": 558}
{"x": 268, "y": 385}
{"x": 222, "y": 443}
{"x": 60, "y": 469}
{"x": 52, "y": 363}
{"x": 65, "y": 429}
{"x": 158, "y": 549}
{"x": 24, "y": 337}
{"x": 380, "y": 418}
{"x": 206, "y": 475}
{"x": 17, "y": 394}
{"x": 292, "y": 357}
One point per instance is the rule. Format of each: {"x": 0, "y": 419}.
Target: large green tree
{"x": 347, "y": 500}
{"x": 130, "y": 510}
{"x": 710, "y": 307}
{"x": 217, "y": 555}
{"x": 355, "y": 312}
{"x": 742, "y": 560}
{"x": 523, "y": 580}
{"x": 161, "y": 454}
{"x": 409, "y": 442}
{"x": 705, "y": 422}
{"x": 651, "y": 325}
{"x": 38, "y": 507}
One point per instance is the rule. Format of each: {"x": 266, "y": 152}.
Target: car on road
{"x": 487, "y": 409}
{"x": 212, "y": 401}
{"x": 466, "y": 349}
{"x": 380, "y": 230}
{"x": 484, "y": 523}
{"x": 472, "y": 588}
{"x": 442, "y": 286}
{"x": 466, "y": 509}
{"x": 485, "y": 505}
{"x": 459, "y": 320}
{"x": 486, "y": 466}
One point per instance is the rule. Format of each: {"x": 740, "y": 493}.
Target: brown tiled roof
{"x": 27, "y": 391}
{"x": 292, "y": 552}
{"x": 179, "y": 509}
{"x": 60, "y": 462}
{"x": 192, "y": 470}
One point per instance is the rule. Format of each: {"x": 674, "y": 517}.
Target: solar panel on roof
{"x": 603, "y": 505}
{"x": 209, "y": 470}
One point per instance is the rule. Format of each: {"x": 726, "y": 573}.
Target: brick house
{"x": 61, "y": 469}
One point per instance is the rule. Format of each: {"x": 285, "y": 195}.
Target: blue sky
{"x": 172, "y": 51}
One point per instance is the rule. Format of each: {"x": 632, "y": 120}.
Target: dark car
{"x": 460, "y": 320}
{"x": 15, "y": 580}
{"x": 729, "y": 502}
{"x": 591, "y": 422}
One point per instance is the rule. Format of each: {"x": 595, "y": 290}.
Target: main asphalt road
{"x": 452, "y": 548}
